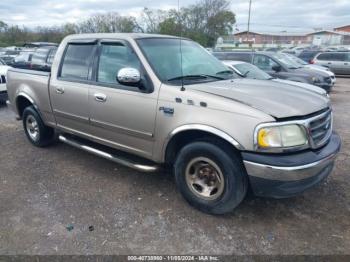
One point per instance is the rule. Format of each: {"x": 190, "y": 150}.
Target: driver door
{"x": 121, "y": 116}
{"x": 266, "y": 64}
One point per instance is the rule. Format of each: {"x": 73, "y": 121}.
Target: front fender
{"x": 200, "y": 127}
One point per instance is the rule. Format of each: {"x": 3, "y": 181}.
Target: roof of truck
{"x": 118, "y": 35}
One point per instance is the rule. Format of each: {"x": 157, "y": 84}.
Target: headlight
{"x": 316, "y": 79}
{"x": 281, "y": 136}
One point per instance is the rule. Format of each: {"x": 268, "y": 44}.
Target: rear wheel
{"x": 36, "y": 131}
{"x": 210, "y": 177}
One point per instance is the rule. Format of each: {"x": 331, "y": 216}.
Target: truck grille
{"x": 320, "y": 129}
{"x": 328, "y": 80}
{"x": 2, "y": 79}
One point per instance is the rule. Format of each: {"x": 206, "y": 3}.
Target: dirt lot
{"x": 45, "y": 191}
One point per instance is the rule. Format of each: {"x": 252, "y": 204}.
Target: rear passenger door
{"x": 121, "y": 116}
{"x": 69, "y": 91}
{"x": 330, "y": 60}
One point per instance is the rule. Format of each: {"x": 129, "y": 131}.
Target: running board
{"x": 110, "y": 156}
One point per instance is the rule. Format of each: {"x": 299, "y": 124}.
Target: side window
{"x": 338, "y": 56}
{"x": 77, "y": 60}
{"x": 264, "y": 63}
{"x": 324, "y": 57}
{"x": 39, "y": 56}
{"x": 114, "y": 57}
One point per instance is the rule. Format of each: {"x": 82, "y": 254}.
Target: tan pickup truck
{"x": 150, "y": 101}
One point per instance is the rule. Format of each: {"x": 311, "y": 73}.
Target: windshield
{"x": 251, "y": 71}
{"x": 296, "y": 59}
{"x": 198, "y": 65}
{"x": 286, "y": 61}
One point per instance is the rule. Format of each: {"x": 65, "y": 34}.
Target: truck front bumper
{"x": 282, "y": 175}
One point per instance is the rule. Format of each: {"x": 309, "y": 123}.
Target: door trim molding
{"x": 120, "y": 129}
{"x": 71, "y": 116}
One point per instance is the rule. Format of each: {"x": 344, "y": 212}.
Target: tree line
{"x": 203, "y": 22}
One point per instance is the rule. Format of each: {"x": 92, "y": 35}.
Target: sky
{"x": 266, "y": 15}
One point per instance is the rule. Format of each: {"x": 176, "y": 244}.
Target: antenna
{"x": 180, "y": 45}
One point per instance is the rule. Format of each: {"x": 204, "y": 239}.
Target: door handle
{"x": 329, "y": 63}
{"x": 59, "y": 90}
{"x": 100, "y": 97}
{"x": 346, "y": 63}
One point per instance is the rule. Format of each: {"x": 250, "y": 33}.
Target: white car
{"x": 3, "y": 72}
{"x": 248, "y": 70}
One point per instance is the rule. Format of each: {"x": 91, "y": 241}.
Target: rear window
{"x": 244, "y": 57}
{"x": 77, "y": 60}
{"x": 332, "y": 56}
{"x": 307, "y": 56}
{"x": 220, "y": 56}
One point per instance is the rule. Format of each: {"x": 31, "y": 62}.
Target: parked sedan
{"x": 337, "y": 62}
{"x": 23, "y": 60}
{"x": 247, "y": 70}
{"x": 43, "y": 57}
{"x": 313, "y": 66}
{"x": 280, "y": 66}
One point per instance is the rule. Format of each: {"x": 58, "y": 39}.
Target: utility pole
{"x": 250, "y": 6}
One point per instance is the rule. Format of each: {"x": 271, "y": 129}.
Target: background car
{"x": 308, "y": 55}
{"x": 23, "y": 60}
{"x": 42, "y": 58}
{"x": 313, "y": 66}
{"x": 3, "y": 72}
{"x": 280, "y": 66}
{"x": 337, "y": 62}
{"x": 9, "y": 56}
{"x": 250, "y": 71}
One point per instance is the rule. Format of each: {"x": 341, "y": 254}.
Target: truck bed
{"x": 34, "y": 84}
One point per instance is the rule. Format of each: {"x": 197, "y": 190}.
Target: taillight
{"x": 312, "y": 61}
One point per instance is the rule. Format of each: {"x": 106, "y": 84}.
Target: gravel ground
{"x": 60, "y": 200}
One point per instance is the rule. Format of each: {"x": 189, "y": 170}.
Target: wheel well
{"x": 22, "y": 103}
{"x": 183, "y": 138}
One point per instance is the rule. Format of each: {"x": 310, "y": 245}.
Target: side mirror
{"x": 277, "y": 68}
{"x": 129, "y": 76}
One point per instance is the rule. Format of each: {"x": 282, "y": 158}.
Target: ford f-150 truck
{"x": 150, "y": 101}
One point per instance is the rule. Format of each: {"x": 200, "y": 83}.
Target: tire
{"x": 221, "y": 161}
{"x": 36, "y": 131}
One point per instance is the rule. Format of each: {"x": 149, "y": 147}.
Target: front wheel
{"x": 36, "y": 131}
{"x": 210, "y": 177}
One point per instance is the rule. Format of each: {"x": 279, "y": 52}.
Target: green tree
{"x": 203, "y": 22}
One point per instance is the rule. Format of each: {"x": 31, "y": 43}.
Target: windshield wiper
{"x": 224, "y": 72}
{"x": 189, "y": 77}
{"x": 245, "y": 73}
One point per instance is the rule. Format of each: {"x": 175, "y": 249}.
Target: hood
{"x": 3, "y": 69}
{"x": 308, "y": 72}
{"x": 320, "y": 68}
{"x": 279, "y": 100}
